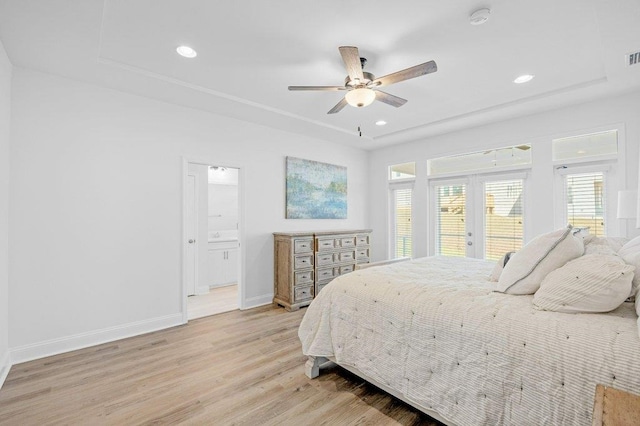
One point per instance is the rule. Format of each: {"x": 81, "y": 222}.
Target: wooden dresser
{"x": 304, "y": 262}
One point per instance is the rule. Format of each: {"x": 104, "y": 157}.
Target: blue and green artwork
{"x": 316, "y": 190}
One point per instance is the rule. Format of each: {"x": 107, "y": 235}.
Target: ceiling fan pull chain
{"x": 359, "y": 131}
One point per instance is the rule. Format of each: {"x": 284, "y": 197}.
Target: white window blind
{"x": 585, "y": 201}
{"x": 450, "y": 220}
{"x": 503, "y": 218}
{"x": 402, "y": 233}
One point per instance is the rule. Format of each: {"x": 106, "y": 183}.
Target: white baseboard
{"x": 83, "y": 340}
{"x": 254, "y": 302}
{"x": 5, "y": 366}
{"x": 202, "y": 290}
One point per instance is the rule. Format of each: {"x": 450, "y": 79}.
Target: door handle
{"x": 192, "y": 241}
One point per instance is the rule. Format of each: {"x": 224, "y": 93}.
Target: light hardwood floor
{"x": 240, "y": 368}
{"x": 218, "y": 300}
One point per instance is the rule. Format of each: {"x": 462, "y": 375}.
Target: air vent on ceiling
{"x": 633, "y": 58}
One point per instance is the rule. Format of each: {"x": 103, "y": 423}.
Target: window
{"x": 584, "y": 201}
{"x": 402, "y": 171}
{"x": 503, "y": 217}
{"x": 401, "y": 203}
{"x": 588, "y": 175}
{"x": 600, "y": 144}
{"x": 450, "y": 217}
{"x": 481, "y": 161}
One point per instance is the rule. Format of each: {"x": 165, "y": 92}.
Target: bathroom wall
{"x": 223, "y": 199}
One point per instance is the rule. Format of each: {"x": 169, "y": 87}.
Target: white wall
{"x": 535, "y": 129}
{"x": 5, "y": 118}
{"x": 223, "y": 207}
{"x": 96, "y": 207}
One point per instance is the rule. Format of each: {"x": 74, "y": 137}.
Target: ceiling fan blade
{"x": 351, "y": 58}
{"x": 319, "y": 88}
{"x": 390, "y": 99}
{"x": 339, "y": 106}
{"x": 413, "y": 72}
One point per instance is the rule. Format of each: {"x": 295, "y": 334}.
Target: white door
{"x": 192, "y": 232}
{"x": 492, "y": 205}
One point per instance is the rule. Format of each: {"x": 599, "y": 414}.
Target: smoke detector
{"x": 480, "y": 16}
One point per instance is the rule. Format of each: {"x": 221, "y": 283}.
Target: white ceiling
{"x": 249, "y": 51}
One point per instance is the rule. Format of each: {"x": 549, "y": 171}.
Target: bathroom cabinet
{"x": 222, "y": 263}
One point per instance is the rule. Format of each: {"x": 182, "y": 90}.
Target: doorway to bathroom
{"x": 211, "y": 239}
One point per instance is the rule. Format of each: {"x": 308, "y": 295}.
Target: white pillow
{"x": 630, "y": 253}
{"x": 545, "y": 253}
{"x": 615, "y": 243}
{"x": 497, "y": 270}
{"x": 591, "y": 283}
{"x": 598, "y": 249}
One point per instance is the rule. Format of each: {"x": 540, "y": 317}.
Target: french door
{"x": 477, "y": 216}
{"x": 401, "y": 242}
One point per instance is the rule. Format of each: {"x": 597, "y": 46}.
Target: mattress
{"x": 433, "y": 330}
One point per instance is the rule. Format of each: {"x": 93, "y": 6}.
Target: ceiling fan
{"x": 362, "y": 87}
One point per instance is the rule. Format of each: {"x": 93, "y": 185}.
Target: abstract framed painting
{"x": 315, "y": 190}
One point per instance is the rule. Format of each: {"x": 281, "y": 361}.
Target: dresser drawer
{"x": 362, "y": 240}
{"x": 302, "y": 246}
{"x": 346, "y": 269}
{"x": 362, "y": 253}
{"x": 324, "y": 259}
{"x": 320, "y": 287}
{"x": 301, "y": 262}
{"x": 346, "y": 256}
{"x": 326, "y": 274}
{"x": 326, "y": 243}
{"x": 348, "y": 242}
{"x": 305, "y": 277}
{"x": 303, "y": 293}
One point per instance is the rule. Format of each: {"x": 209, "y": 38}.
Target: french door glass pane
{"x": 584, "y": 195}
{"x": 402, "y": 202}
{"x": 450, "y": 220}
{"x": 503, "y": 218}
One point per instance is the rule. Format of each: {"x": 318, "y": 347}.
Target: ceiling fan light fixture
{"x": 186, "y": 51}
{"x": 480, "y": 16}
{"x": 360, "y": 97}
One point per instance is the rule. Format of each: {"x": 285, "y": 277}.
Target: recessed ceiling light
{"x": 380, "y": 123}
{"x": 186, "y": 51}
{"x": 582, "y": 151}
{"x": 523, "y": 78}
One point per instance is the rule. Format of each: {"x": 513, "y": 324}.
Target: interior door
{"x": 192, "y": 230}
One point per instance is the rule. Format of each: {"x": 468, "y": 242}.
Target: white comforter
{"x": 433, "y": 330}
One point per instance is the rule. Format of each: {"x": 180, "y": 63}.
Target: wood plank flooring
{"x": 236, "y": 368}
{"x": 218, "y": 300}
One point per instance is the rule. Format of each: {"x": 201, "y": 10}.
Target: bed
{"x": 434, "y": 333}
